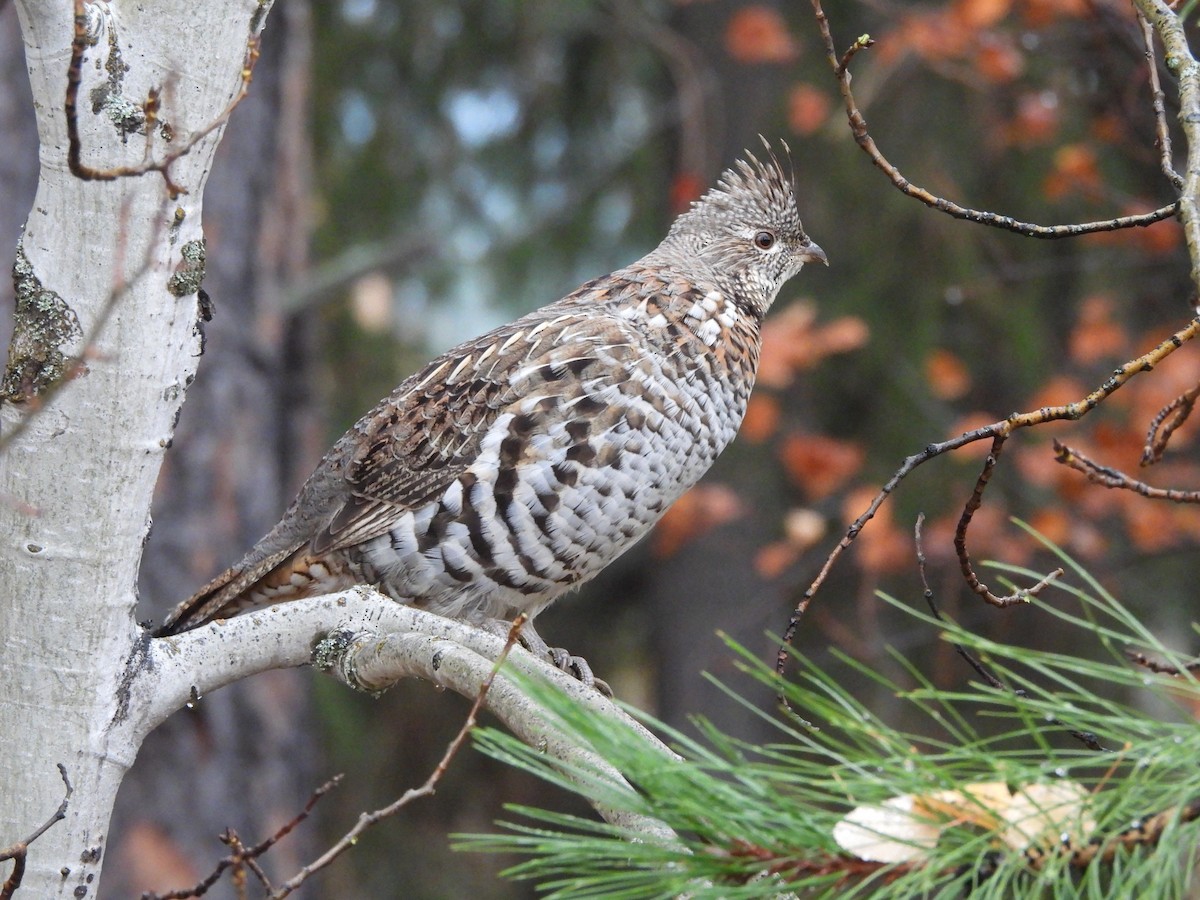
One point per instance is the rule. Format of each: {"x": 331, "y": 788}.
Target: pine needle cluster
{"x": 1114, "y": 719}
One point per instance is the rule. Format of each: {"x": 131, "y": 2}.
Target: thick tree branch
{"x": 379, "y": 642}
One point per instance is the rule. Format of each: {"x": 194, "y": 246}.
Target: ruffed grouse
{"x": 516, "y": 466}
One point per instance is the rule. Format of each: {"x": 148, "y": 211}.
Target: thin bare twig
{"x": 79, "y": 44}
{"x": 1115, "y": 478}
{"x": 243, "y": 856}
{"x": 20, "y": 850}
{"x": 1159, "y": 433}
{"x": 1145, "y": 833}
{"x": 1003, "y": 428}
{"x": 858, "y": 127}
{"x": 1088, "y": 739}
{"x": 960, "y": 538}
{"x": 1162, "y": 129}
{"x": 1161, "y": 668}
{"x": 862, "y": 42}
{"x": 962, "y": 651}
{"x": 367, "y": 820}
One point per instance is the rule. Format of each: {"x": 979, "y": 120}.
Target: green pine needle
{"x": 757, "y": 821}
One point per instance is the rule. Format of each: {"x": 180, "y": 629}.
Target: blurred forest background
{"x": 405, "y": 175}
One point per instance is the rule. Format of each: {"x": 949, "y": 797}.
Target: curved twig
{"x": 858, "y": 127}
{"x": 927, "y": 593}
{"x": 1183, "y": 65}
{"x": 1159, "y": 434}
{"x": 247, "y": 856}
{"x": 960, "y": 538}
{"x": 79, "y": 44}
{"x": 1115, "y": 478}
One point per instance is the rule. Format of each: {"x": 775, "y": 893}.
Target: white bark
{"x": 75, "y": 487}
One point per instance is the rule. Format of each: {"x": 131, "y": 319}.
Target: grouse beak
{"x": 810, "y": 252}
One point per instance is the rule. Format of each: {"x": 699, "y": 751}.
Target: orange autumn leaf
{"x": 820, "y": 464}
{"x": 934, "y": 36}
{"x": 1118, "y": 442}
{"x": 842, "y": 335}
{"x": 979, "y": 14}
{"x": 758, "y": 34}
{"x": 775, "y": 558}
{"x": 1096, "y": 335}
{"x": 1053, "y": 523}
{"x": 1076, "y": 170}
{"x": 802, "y": 529}
{"x": 998, "y": 60}
{"x": 1067, "y": 528}
{"x": 686, "y": 187}
{"x": 697, "y": 512}
{"x": 1057, "y": 391}
{"x": 762, "y": 418}
{"x": 808, "y": 108}
{"x": 1040, "y": 13}
{"x": 1158, "y": 239}
{"x": 1038, "y": 467}
{"x": 1148, "y": 526}
{"x": 153, "y": 858}
{"x": 793, "y": 342}
{"x": 1036, "y": 120}
{"x": 1108, "y": 128}
{"x": 947, "y": 375}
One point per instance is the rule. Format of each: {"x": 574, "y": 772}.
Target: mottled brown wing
{"x": 403, "y": 464}
{"x": 428, "y": 432}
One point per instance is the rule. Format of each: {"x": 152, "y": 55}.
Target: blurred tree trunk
{"x": 18, "y": 155}
{"x": 244, "y": 758}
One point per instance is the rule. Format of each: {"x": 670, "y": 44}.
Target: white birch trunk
{"x": 75, "y": 488}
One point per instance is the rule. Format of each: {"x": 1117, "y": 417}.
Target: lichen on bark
{"x": 190, "y": 272}
{"x": 44, "y": 328}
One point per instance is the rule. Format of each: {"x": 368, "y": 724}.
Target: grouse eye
{"x": 764, "y": 240}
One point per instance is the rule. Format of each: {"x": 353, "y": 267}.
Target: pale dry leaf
{"x": 892, "y": 832}
{"x": 907, "y": 827}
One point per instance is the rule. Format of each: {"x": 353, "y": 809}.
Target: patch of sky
{"x": 467, "y": 309}
{"x": 549, "y": 145}
{"x": 613, "y": 211}
{"x": 501, "y": 207}
{"x": 411, "y": 310}
{"x": 356, "y": 118}
{"x": 482, "y": 115}
{"x": 548, "y": 197}
{"x": 359, "y": 12}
